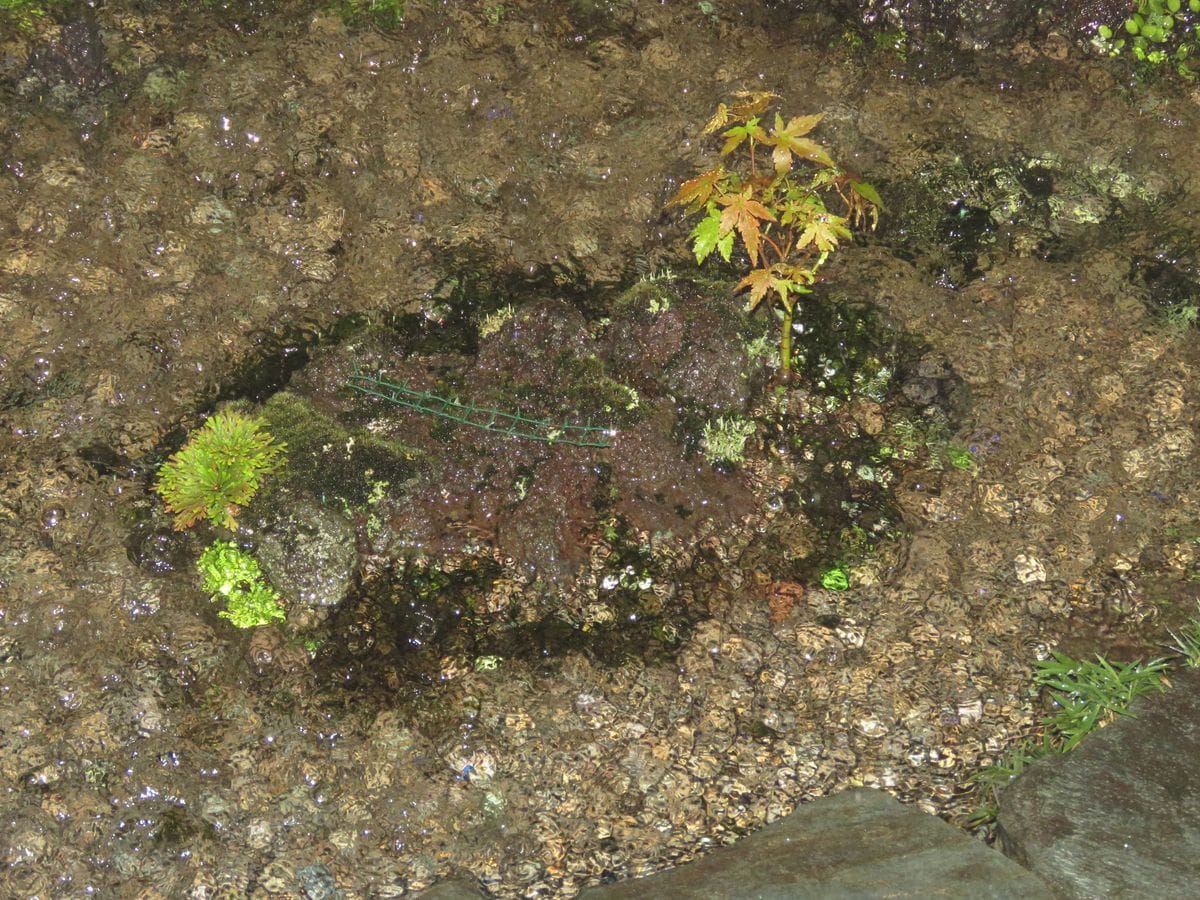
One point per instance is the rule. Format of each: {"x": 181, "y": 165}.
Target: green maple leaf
{"x": 734, "y": 137}
{"x": 789, "y": 140}
{"x": 867, "y": 192}
{"x": 725, "y": 246}
{"x": 744, "y": 213}
{"x": 801, "y": 206}
{"x": 824, "y": 231}
{"x": 707, "y": 236}
{"x": 864, "y": 205}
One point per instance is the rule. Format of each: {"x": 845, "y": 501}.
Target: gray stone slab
{"x": 452, "y": 890}
{"x": 1120, "y": 815}
{"x": 860, "y": 843}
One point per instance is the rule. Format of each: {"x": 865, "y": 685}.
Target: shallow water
{"x": 220, "y": 196}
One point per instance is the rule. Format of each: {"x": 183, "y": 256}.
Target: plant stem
{"x": 774, "y": 246}
{"x": 785, "y": 342}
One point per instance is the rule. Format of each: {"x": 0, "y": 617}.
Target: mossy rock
{"x": 330, "y": 460}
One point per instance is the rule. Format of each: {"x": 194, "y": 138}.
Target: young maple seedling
{"x": 780, "y": 211}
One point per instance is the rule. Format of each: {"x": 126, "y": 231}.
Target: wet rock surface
{"x": 976, "y": 25}
{"x": 1115, "y": 816}
{"x": 856, "y": 843}
{"x": 307, "y": 552}
{"x": 259, "y": 185}
{"x": 547, "y": 455}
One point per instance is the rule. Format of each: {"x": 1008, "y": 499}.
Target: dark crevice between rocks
{"x": 956, "y": 218}
{"x": 1170, "y": 286}
{"x": 446, "y": 322}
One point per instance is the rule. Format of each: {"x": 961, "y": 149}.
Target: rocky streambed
{"x": 510, "y": 657}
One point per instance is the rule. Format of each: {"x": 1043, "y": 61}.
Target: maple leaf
{"x": 764, "y": 281}
{"x": 802, "y": 206}
{"x": 707, "y": 236}
{"x": 694, "y": 192}
{"x": 744, "y": 213}
{"x": 789, "y": 140}
{"x": 867, "y": 192}
{"x": 826, "y": 178}
{"x": 824, "y": 231}
{"x": 751, "y": 103}
{"x": 864, "y": 204}
{"x": 719, "y": 119}
{"x": 801, "y": 276}
{"x": 738, "y": 133}
{"x": 725, "y": 246}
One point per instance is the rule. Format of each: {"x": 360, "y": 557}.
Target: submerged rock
{"x": 1114, "y": 817}
{"x": 853, "y": 844}
{"x": 540, "y": 452}
{"x": 539, "y": 464}
{"x": 984, "y": 23}
{"x": 75, "y": 57}
{"x": 307, "y": 552}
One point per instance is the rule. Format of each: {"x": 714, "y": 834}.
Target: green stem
{"x": 785, "y": 343}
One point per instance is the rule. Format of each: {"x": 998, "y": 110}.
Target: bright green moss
{"x": 233, "y": 575}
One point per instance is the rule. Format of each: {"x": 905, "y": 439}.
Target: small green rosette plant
{"x": 218, "y": 470}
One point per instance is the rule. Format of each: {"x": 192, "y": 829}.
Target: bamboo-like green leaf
{"x": 867, "y": 192}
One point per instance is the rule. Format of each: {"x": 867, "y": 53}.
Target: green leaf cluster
{"x": 233, "y": 575}
{"x": 1157, "y": 32}
{"x": 1187, "y": 642}
{"x": 1091, "y": 693}
{"x": 383, "y": 14}
{"x": 218, "y": 470}
{"x": 960, "y": 457}
{"x": 835, "y": 579}
{"x": 24, "y": 14}
{"x": 1086, "y": 694}
{"x": 781, "y": 197}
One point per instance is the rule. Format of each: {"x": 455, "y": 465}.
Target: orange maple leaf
{"x": 789, "y": 139}
{"x": 744, "y": 213}
{"x": 694, "y": 192}
{"x": 759, "y": 281}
